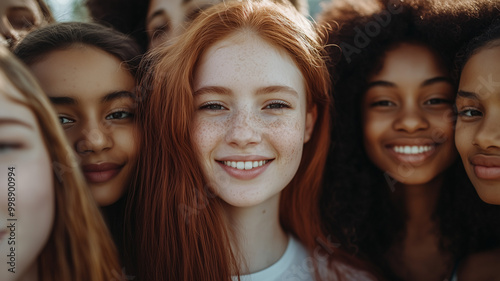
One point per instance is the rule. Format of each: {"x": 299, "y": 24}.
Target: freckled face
{"x": 478, "y": 126}
{"x": 22, "y": 147}
{"x": 251, "y": 121}
{"x": 408, "y": 116}
{"x": 93, "y": 95}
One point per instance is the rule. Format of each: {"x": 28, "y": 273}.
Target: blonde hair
{"x": 79, "y": 247}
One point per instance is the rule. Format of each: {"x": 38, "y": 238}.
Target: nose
{"x": 243, "y": 129}
{"x": 488, "y": 135}
{"x": 95, "y": 137}
{"x": 8, "y": 35}
{"x": 411, "y": 120}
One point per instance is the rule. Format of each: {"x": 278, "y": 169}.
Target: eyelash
{"x": 9, "y": 146}
{"x": 382, "y": 103}
{"x": 120, "y": 111}
{"x": 211, "y": 106}
{"x": 110, "y": 116}
{"x": 468, "y": 113}
{"x": 439, "y": 100}
{"x": 280, "y": 104}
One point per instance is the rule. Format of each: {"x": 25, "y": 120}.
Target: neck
{"x": 260, "y": 240}
{"x": 419, "y": 203}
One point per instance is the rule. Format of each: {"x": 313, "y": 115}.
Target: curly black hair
{"x": 129, "y": 16}
{"x": 356, "y": 202}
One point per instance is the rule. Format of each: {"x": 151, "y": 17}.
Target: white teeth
{"x": 412, "y": 149}
{"x": 245, "y": 165}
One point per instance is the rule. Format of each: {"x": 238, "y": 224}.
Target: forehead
{"x": 482, "y": 70}
{"x": 246, "y": 58}
{"x": 83, "y": 71}
{"x": 408, "y": 61}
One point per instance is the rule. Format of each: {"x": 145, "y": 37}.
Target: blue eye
{"x": 212, "y": 106}
{"x": 65, "y": 120}
{"x": 470, "y": 113}
{"x": 119, "y": 115}
{"x": 277, "y": 105}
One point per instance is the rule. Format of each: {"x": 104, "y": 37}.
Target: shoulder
{"x": 481, "y": 266}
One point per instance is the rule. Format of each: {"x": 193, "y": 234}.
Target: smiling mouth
{"x": 412, "y": 154}
{"x": 245, "y": 165}
{"x": 413, "y": 149}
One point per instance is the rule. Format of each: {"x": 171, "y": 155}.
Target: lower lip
{"x": 487, "y": 173}
{"x": 245, "y": 174}
{"x": 101, "y": 176}
{"x": 412, "y": 159}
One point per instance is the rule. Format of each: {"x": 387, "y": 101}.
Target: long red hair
{"x": 179, "y": 226}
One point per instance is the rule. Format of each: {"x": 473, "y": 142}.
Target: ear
{"x": 311, "y": 116}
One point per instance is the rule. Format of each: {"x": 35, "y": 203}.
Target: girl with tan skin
{"x": 395, "y": 192}
{"x": 88, "y": 73}
{"x": 477, "y": 134}
{"x": 58, "y": 233}
{"x": 234, "y": 147}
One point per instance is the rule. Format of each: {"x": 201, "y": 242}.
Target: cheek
{"x": 207, "y": 133}
{"x": 443, "y": 130}
{"x": 127, "y": 141}
{"x": 287, "y": 137}
{"x": 463, "y": 138}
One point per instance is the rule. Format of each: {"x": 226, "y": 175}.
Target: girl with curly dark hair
{"x": 395, "y": 192}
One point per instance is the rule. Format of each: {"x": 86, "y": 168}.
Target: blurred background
{"x": 74, "y": 10}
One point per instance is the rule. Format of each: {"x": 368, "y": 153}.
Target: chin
{"x": 488, "y": 193}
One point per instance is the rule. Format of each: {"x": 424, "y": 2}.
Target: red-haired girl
{"x": 237, "y": 125}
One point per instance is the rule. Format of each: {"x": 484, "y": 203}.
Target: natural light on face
{"x": 250, "y": 122}
{"x": 408, "y": 116}
{"x": 478, "y": 125}
{"x": 93, "y": 95}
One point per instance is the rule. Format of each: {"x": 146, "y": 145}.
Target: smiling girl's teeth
{"x": 412, "y": 149}
{"x": 245, "y": 165}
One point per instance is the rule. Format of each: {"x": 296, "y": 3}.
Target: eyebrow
{"x": 118, "y": 95}
{"x": 107, "y": 98}
{"x": 12, "y": 121}
{"x": 260, "y": 91}
{"x": 63, "y": 101}
{"x": 467, "y": 95}
{"x": 381, "y": 83}
{"x": 275, "y": 89}
{"x": 436, "y": 80}
{"x": 427, "y": 82}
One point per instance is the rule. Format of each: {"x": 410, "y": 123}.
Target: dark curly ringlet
{"x": 39, "y": 43}
{"x": 356, "y": 200}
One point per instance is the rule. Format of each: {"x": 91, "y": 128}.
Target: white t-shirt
{"x": 295, "y": 265}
